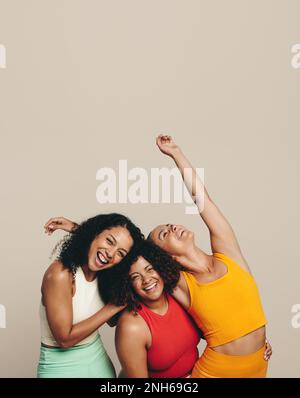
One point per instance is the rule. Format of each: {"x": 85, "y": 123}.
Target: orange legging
{"x": 212, "y": 364}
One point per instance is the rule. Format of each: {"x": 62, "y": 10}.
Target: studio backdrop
{"x": 86, "y": 86}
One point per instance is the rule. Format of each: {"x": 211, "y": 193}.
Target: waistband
{"x": 94, "y": 342}
{"x": 212, "y": 364}
{"x": 235, "y": 358}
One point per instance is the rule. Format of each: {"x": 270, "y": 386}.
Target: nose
{"x": 146, "y": 279}
{"x": 109, "y": 253}
{"x": 174, "y": 228}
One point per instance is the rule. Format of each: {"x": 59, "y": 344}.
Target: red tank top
{"x": 175, "y": 337}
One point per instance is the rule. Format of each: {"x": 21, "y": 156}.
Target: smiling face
{"x": 145, "y": 280}
{"x": 109, "y": 248}
{"x": 174, "y": 239}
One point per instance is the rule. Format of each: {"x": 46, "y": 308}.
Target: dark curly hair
{"x": 74, "y": 248}
{"x": 115, "y": 284}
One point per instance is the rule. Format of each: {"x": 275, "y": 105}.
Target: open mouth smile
{"x": 151, "y": 287}
{"x": 101, "y": 259}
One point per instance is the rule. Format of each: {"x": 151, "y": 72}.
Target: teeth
{"x": 150, "y": 287}
{"x": 101, "y": 258}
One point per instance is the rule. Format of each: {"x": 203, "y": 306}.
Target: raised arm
{"x": 222, "y": 236}
{"x": 131, "y": 345}
{"x": 57, "y": 298}
{"x": 57, "y": 223}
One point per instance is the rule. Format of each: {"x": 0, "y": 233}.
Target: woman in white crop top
{"x": 71, "y": 311}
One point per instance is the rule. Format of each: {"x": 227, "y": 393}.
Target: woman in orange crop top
{"x": 218, "y": 290}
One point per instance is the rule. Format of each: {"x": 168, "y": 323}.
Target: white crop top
{"x": 86, "y": 302}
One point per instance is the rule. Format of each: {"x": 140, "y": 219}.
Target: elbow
{"x": 64, "y": 343}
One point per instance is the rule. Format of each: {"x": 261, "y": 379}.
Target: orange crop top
{"x": 227, "y": 308}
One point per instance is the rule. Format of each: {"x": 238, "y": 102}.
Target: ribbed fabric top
{"x": 86, "y": 302}
{"x": 227, "y": 308}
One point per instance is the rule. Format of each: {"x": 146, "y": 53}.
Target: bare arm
{"x": 222, "y": 236}
{"x": 131, "y": 345}
{"x": 57, "y": 298}
{"x": 181, "y": 293}
{"x": 61, "y": 223}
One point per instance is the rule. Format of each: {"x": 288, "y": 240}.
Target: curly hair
{"x": 74, "y": 248}
{"x": 115, "y": 284}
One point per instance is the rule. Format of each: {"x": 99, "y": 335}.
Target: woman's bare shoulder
{"x": 131, "y": 322}
{"x": 132, "y": 329}
{"x": 57, "y": 273}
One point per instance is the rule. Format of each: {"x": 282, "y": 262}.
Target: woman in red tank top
{"x": 156, "y": 337}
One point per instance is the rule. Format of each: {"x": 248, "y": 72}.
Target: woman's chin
{"x": 189, "y": 238}
{"x": 189, "y": 235}
{"x": 154, "y": 296}
{"x": 95, "y": 267}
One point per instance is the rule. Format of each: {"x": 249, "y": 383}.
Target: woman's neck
{"x": 88, "y": 274}
{"x": 196, "y": 261}
{"x": 159, "y": 306}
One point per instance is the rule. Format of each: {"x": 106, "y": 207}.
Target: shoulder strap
{"x": 227, "y": 260}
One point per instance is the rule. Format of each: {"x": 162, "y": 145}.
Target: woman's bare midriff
{"x": 245, "y": 345}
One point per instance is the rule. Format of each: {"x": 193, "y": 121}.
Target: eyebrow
{"x": 115, "y": 241}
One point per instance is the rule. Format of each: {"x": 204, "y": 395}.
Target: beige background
{"x": 91, "y": 82}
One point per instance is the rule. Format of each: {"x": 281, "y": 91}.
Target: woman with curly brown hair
{"x": 71, "y": 311}
{"x": 155, "y": 336}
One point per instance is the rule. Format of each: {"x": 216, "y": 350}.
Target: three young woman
{"x": 217, "y": 290}
{"x": 71, "y": 311}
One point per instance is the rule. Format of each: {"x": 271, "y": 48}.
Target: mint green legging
{"x": 88, "y": 360}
